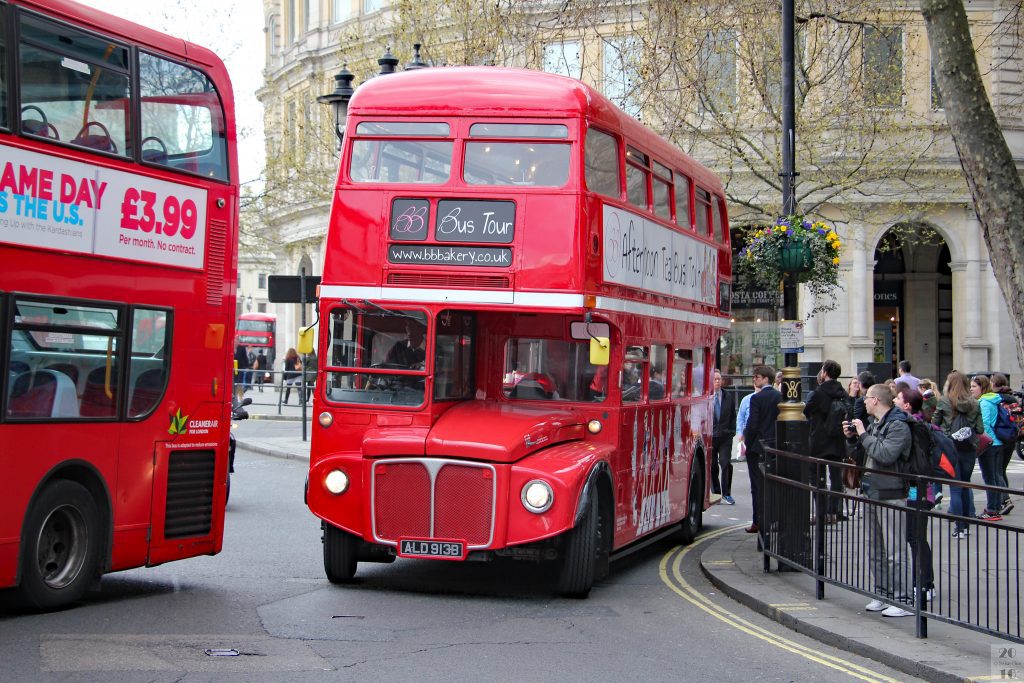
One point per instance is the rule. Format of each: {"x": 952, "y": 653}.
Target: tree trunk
{"x": 986, "y": 159}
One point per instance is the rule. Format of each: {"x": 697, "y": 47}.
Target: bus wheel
{"x": 62, "y": 546}
{"x": 693, "y": 522}
{"x": 580, "y": 552}
{"x": 339, "y": 554}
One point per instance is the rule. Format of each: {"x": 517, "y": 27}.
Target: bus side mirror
{"x": 305, "y": 345}
{"x": 600, "y": 351}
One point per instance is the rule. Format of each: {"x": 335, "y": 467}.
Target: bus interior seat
{"x": 145, "y": 392}
{"x": 39, "y": 128}
{"x": 68, "y": 369}
{"x": 156, "y": 153}
{"x": 100, "y": 141}
{"x": 95, "y": 402}
{"x": 43, "y": 393}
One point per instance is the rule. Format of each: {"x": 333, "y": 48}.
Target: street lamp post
{"x": 338, "y": 100}
{"x": 792, "y": 428}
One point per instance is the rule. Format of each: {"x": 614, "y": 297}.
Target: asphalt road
{"x": 265, "y": 596}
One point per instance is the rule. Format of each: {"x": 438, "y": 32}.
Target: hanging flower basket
{"x": 795, "y": 245}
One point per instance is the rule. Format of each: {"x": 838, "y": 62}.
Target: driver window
{"x": 633, "y": 374}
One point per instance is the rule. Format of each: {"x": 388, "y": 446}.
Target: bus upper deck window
{"x": 516, "y": 163}
{"x": 602, "y": 162}
{"x": 682, "y": 192}
{"x": 182, "y": 118}
{"x": 74, "y": 87}
{"x": 518, "y": 130}
{"x": 401, "y": 161}
{"x": 703, "y": 208}
{"x": 637, "y": 174}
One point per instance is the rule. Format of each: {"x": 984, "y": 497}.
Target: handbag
{"x": 851, "y": 474}
{"x": 984, "y": 441}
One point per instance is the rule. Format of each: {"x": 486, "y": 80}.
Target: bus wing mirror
{"x": 305, "y": 345}
{"x": 600, "y": 351}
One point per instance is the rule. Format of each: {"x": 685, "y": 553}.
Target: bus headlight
{"x": 336, "y": 482}
{"x": 594, "y": 426}
{"x": 537, "y": 496}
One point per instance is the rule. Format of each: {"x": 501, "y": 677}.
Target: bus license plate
{"x": 437, "y": 550}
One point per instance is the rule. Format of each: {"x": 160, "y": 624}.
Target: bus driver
{"x": 409, "y": 352}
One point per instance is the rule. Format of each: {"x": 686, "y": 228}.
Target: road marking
{"x": 681, "y": 587}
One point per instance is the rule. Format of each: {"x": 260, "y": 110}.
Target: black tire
{"x": 580, "y": 553}
{"x": 60, "y": 555}
{"x": 691, "y": 525}
{"x": 339, "y": 554}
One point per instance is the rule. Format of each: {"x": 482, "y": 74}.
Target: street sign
{"x": 791, "y": 336}
{"x": 286, "y": 289}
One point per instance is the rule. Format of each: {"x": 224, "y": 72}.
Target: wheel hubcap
{"x": 61, "y": 546}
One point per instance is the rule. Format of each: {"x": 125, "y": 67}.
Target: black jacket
{"x": 764, "y": 413}
{"x": 816, "y": 411}
{"x": 725, "y": 423}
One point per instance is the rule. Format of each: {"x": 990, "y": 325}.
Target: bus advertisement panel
{"x": 118, "y": 258}
{"x": 520, "y": 305}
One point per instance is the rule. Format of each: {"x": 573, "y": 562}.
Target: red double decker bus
{"x": 118, "y": 251}
{"x": 258, "y": 332}
{"x": 522, "y": 295}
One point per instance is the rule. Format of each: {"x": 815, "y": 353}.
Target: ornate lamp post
{"x": 338, "y": 100}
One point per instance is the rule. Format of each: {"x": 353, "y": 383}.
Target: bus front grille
{"x": 433, "y": 498}
{"x": 190, "y": 478}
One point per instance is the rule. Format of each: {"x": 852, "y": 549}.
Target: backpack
{"x": 943, "y": 455}
{"x": 918, "y": 459}
{"x": 1005, "y": 429}
{"x": 959, "y": 423}
{"x": 839, "y": 410}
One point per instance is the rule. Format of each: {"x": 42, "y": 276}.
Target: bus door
{"x": 648, "y": 431}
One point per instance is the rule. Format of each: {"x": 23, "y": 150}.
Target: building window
{"x": 717, "y": 91}
{"x": 619, "y": 64}
{"x": 340, "y": 10}
{"x": 262, "y": 280}
{"x": 261, "y": 308}
{"x": 563, "y": 58}
{"x": 289, "y": 21}
{"x": 307, "y": 16}
{"x": 273, "y": 45}
{"x": 883, "y": 66}
{"x": 374, "y": 5}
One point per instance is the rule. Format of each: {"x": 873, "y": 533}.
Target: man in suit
{"x": 760, "y": 432}
{"x": 721, "y": 441}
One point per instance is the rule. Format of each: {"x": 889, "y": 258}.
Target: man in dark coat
{"x": 760, "y": 432}
{"x": 822, "y": 443}
{"x": 724, "y": 406}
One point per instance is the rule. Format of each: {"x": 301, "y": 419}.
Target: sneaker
{"x": 960, "y": 533}
{"x": 728, "y": 500}
{"x": 989, "y": 516}
{"x": 895, "y": 611}
{"x": 962, "y": 434}
{"x": 1007, "y": 507}
{"x": 875, "y": 606}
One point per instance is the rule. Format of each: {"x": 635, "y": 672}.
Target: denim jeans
{"x": 961, "y": 500}
{"x": 991, "y": 461}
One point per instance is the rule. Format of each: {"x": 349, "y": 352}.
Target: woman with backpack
{"x": 991, "y": 459}
{"x": 910, "y": 401}
{"x": 1001, "y": 386}
{"x": 959, "y": 416}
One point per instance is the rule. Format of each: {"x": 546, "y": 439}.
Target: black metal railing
{"x": 900, "y": 552}
{"x": 276, "y": 387}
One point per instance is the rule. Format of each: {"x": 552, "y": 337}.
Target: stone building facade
{"x": 931, "y": 297}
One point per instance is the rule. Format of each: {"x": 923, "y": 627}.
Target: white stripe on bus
{"x": 534, "y": 299}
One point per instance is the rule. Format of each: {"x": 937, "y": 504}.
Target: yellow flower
{"x": 837, "y": 244}
{"x": 835, "y": 260}
{"x": 783, "y": 228}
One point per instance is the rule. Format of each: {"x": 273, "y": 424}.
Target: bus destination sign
{"x": 444, "y": 255}
{"x": 475, "y": 220}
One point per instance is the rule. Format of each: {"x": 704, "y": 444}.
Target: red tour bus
{"x": 118, "y": 250}
{"x": 258, "y": 331}
{"x": 494, "y": 233}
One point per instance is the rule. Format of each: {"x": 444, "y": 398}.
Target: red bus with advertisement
{"x": 258, "y": 331}
{"x": 522, "y": 295}
{"x": 118, "y": 252}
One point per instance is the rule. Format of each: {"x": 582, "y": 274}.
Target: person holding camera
{"x": 880, "y": 447}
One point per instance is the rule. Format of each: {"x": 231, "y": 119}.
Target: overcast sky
{"x": 231, "y": 28}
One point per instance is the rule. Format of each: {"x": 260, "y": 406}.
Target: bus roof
{"x": 263, "y": 317}
{"x": 112, "y": 24}
{"x": 512, "y": 92}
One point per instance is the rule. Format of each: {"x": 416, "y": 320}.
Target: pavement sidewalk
{"x": 732, "y": 563}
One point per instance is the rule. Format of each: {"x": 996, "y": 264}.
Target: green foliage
{"x": 763, "y": 262}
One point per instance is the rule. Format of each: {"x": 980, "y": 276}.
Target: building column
{"x": 862, "y": 301}
{"x": 967, "y": 308}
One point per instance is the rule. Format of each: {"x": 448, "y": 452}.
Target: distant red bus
{"x": 494, "y": 233}
{"x": 118, "y": 254}
{"x": 258, "y": 331}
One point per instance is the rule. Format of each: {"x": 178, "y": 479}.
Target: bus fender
{"x": 590, "y": 489}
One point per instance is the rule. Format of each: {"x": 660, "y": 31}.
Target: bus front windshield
{"x": 552, "y": 370}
